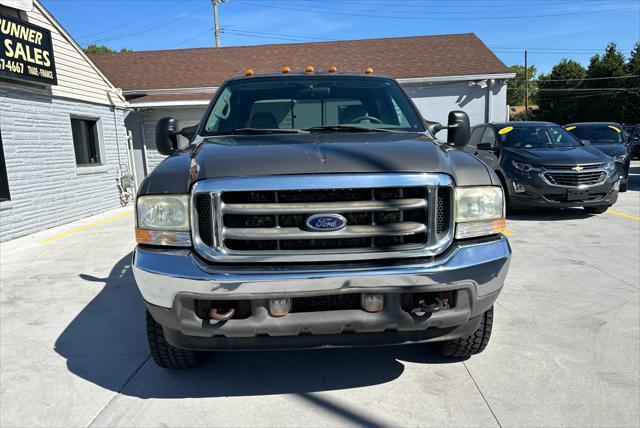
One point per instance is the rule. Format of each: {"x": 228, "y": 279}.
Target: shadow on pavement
{"x": 549, "y": 214}
{"x": 106, "y": 344}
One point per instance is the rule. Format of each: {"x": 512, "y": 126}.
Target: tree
{"x": 515, "y": 89}
{"x": 631, "y": 113}
{"x": 102, "y": 49}
{"x": 556, "y": 101}
{"x": 604, "y": 72}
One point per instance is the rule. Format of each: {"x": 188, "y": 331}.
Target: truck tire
{"x": 472, "y": 344}
{"x": 624, "y": 187}
{"x": 166, "y": 355}
{"x": 597, "y": 210}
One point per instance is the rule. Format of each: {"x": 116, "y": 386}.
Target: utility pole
{"x": 216, "y": 26}
{"x": 526, "y": 87}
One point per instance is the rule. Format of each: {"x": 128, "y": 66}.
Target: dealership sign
{"x": 26, "y": 52}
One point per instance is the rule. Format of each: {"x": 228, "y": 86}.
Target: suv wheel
{"x": 597, "y": 210}
{"x": 472, "y": 344}
{"x": 166, "y": 355}
{"x": 624, "y": 187}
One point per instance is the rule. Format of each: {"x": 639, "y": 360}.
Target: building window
{"x": 4, "y": 181}
{"x": 85, "y": 141}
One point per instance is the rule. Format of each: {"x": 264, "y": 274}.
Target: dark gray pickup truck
{"x": 313, "y": 210}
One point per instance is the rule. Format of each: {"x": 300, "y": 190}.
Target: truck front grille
{"x": 575, "y": 179}
{"x": 269, "y": 224}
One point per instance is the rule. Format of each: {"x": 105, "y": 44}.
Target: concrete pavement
{"x": 565, "y": 349}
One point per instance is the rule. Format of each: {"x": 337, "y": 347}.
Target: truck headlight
{"x": 163, "y": 220}
{"x": 479, "y": 211}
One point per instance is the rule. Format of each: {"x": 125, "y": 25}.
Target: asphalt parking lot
{"x": 565, "y": 349}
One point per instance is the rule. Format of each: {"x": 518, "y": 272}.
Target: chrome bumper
{"x": 163, "y": 274}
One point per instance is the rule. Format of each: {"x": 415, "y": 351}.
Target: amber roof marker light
{"x": 309, "y": 69}
{"x": 286, "y": 69}
{"x": 368, "y": 70}
{"x": 248, "y": 72}
{"x": 333, "y": 69}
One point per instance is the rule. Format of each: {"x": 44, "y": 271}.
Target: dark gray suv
{"x": 541, "y": 164}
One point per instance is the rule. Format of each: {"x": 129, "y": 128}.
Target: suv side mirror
{"x": 585, "y": 142}
{"x": 459, "y": 129}
{"x": 166, "y": 141}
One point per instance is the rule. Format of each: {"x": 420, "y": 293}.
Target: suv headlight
{"x": 610, "y": 166}
{"x": 163, "y": 220}
{"x": 525, "y": 167}
{"x": 479, "y": 211}
{"x": 620, "y": 158}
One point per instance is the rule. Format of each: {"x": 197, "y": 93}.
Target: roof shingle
{"x": 404, "y": 57}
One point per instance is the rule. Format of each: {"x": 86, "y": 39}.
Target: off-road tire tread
{"x": 164, "y": 354}
{"x": 472, "y": 344}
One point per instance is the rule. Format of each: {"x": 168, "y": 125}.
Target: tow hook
{"x": 427, "y": 309}
{"x": 214, "y": 314}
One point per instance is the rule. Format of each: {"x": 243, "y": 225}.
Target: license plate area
{"x": 577, "y": 195}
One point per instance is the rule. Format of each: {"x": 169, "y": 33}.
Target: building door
{"x": 134, "y": 125}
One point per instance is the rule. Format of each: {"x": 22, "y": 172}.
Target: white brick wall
{"x": 47, "y": 189}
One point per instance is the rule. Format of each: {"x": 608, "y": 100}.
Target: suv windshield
{"x": 597, "y": 134}
{"x": 536, "y": 137}
{"x": 311, "y": 102}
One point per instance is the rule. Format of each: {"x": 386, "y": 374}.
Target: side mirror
{"x": 166, "y": 141}
{"x": 459, "y": 129}
{"x": 585, "y": 142}
{"x": 189, "y": 132}
{"x": 485, "y": 146}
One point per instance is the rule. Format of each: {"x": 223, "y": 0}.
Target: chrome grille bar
{"x": 322, "y": 207}
{"x": 407, "y": 228}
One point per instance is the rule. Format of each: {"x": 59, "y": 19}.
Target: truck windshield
{"x": 310, "y": 103}
{"x": 536, "y": 137}
{"x": 597, "y": 134}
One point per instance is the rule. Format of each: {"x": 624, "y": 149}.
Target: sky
{"x": 549, "y": 29}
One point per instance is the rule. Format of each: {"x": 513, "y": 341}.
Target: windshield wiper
{"x": 260, "y": 131}
{"x": 346, "y": 128}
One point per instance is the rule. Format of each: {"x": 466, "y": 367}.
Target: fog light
{"x": 280, "y": 306}
{"x": 371, "y": 302}
{"x": 616, "y": 185}
{"x": 518, "y": 188}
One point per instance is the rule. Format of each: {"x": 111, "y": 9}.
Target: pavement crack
{"x": 482, "y": 395}
{"x": 126, "y": 382}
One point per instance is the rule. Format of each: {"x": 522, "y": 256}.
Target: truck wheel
{"x": 624, "y": 187}
{"x": 597, "y": 210}
{"x": 472, "y": 344}
{"x": 166, "y": 355}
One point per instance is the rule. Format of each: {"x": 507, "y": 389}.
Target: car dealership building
{"x": 62, "y": 133}
{"x": 440, "y": 73}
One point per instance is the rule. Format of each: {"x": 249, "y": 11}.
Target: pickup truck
{"x": 317, "y": 209}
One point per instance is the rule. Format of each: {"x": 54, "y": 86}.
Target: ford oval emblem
{"x": 326, "y": 222}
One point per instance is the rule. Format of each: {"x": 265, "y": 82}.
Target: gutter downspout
{"x": 489, "y": 104}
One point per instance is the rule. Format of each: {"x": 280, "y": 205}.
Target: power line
{"x": 439, "y": 16}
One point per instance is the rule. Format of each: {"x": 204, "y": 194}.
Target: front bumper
{"x": 540, "y": 193}
{"x": 171, "y": 280}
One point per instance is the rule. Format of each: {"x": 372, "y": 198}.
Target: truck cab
{"x": 317, "y": 209}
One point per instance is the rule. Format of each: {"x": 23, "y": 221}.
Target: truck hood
{"x": 317, "y": 153}
{"x": 559, "y": 156}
